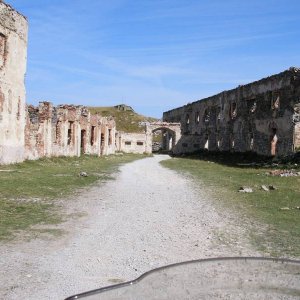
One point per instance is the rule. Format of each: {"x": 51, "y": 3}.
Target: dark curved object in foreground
{"x": 216, "y": 278}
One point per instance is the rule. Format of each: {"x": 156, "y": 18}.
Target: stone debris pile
{"x": 284, "y": 173}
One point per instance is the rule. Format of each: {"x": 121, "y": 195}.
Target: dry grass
{"x": 281, "y": 234}
{"x": 28, "y": 189}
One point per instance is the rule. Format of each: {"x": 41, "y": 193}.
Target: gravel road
{"x": 149, "y": 216}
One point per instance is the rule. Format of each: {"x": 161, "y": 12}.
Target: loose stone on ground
{"x": 147, "y": 217}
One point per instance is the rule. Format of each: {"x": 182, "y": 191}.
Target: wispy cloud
{"x": 154, "y": 54}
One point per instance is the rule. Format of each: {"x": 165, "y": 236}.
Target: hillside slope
{"x": 126, "y": 120}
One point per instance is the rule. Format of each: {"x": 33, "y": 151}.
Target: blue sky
{"x": 154, "y": 55}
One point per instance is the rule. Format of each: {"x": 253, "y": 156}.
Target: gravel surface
{"x": 149, "y": 216}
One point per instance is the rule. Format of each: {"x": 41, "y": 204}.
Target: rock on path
{"x": 147, "y": 217}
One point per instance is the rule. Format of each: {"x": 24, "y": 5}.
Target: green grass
{"x": 280, "y": 230}
{"x": 28, "y": 190}
{"x": 127, "y": 121}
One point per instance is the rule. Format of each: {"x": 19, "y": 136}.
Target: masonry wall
{"x": 13, "y": 57}
{"x": 67, "y": 130}
{"x": 138, "y": 143}
{"x": 262, "y": 117}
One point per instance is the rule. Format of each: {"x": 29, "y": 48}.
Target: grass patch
{"x": 127, "y": 121}
{"x": 27, "y": 189}
{"x": 16, "y": 216}
{"x": 281, "y": 233}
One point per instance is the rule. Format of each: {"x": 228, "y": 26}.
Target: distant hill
{"x": 126, "y": 118}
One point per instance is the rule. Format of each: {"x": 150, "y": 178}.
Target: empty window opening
{"x": 102, "y": 138}
{"x": 2, "y": 49}
{"x": 274, "y": 140}
{"x": 275, "y": 102}
{"x": 184, "y": 145}
{"x": 206, "y": 142}
{"x": 70, "y": 133}
{"x": 219, "y": 115}
{"x": 233, "y": 110}
{"x": 187, "y": 119}
{"x": 140, "y": 143}
{"x": 127, "y": 143}
{"x": 232, "y": 143}
{"x": 252, "y": 105}
{"x": 83, "y": 141}
{"x": 197, "y": 119}
{"x": 206, "y": 117}
{"x": 251, "y": 145}
{"x": 109, "y": 137}
{"x": 93, "y": 135}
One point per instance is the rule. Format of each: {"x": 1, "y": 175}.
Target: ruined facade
{"x": 142, "y": 142}
{"x": 28, "y": 132}
{"x": 138, "y": 143}
{"x": 262, "y": 117}
{"x": 13, "y": 57}
{"x": 67, "y": 130}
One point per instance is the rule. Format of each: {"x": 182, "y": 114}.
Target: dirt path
{"x": 148, "y": 217}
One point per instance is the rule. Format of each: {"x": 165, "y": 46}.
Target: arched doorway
{"x": 163, "y": 136}
{"x": 163, "y": 139}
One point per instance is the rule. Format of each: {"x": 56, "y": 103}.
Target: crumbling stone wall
{"x": 33, "y": 132}
{"x": 296, "y": 121}
{"x": 262, "y": 117}
{"x": 13, "y": 53}
{"x": 67, "y": 130}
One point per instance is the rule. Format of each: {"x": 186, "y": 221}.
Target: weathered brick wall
{"x": 67, "y": 130}
{"x": 243, "y": 119}
{"x": 13, "y": 53}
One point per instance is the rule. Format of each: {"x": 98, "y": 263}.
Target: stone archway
{"x": 171, "y": 133}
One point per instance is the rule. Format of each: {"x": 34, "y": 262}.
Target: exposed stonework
{"x": 142, "y": 142}
{"x": 262, "y": 117}
{"x": 42, "y": 131}
{"x": 171, "y": 133}
{"x": 13, "y": 56}
{"x": 67, "y": 130}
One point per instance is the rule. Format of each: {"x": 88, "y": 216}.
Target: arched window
{"x": 233, "y": 110}
{"x": 206, "y": 116}
{"x": 275, "y": 103}
{"x": 187, "y": 119}
{"x": 197, "y": 117}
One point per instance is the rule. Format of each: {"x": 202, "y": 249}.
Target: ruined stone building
{"x": 262, "y": 117}
{"x": 140, "y": 143}
{"x": 28, "y": 132}
{"x": 13, "y": 56}
{"x": 67, "y": 130}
